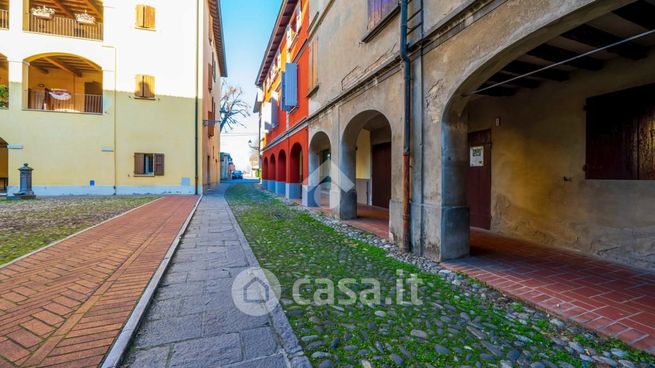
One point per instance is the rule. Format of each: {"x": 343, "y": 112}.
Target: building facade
{"x": 531, "y": 119}
{"x": 110, "y": 97}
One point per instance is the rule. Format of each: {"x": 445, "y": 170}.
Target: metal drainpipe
{"x": 195, "y": 121}
{"x": 407, "y": 243}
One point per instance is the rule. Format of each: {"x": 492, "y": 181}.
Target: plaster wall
{"x": 539, "y": 191}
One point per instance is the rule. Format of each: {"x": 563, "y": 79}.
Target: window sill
{"x": 312, "y": 90}
{"x": 145, "y": 98}
{"x": 144, "y": 175}
{"x": 145, "y": 29}
{"x": 381, "y": 25}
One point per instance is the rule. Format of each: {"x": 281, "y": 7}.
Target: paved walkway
{"x": 65, "y": 305}
{"x": 615, "y": 300}
{"x": 192, "y": 321}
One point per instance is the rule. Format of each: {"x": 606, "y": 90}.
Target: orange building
{"x": 283, "y": 79}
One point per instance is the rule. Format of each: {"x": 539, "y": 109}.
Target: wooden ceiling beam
{"x": 92, "y": 65}
{"x": 63, "y": 8}
{"x": 556, "y": 54}
{"x": 595, "y": 37}
{"x": 522, "y": 82}
{"x": 63, "y": 66}
{"x": 641, "y": 13}
{"x": 521, "y": 67}
{"x": 95, "y": 9}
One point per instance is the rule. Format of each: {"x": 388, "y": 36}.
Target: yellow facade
{"x": 74, "y": 113}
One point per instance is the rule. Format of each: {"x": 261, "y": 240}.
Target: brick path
{"x": 65, "y": 305}
{"x": 193, "y": 322}
{"x": 615, "y": 300}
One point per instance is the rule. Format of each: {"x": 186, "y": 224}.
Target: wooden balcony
{"x": 76, "y": 103}
{"x": 67, "y": 27}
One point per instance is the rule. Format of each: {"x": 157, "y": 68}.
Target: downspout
{"x": 407, "y": 243}
{"x": 195, "y": 121}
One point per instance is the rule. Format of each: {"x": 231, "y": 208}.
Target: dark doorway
{"x": 479, "y": 179}
{"x": 381, "y": 174}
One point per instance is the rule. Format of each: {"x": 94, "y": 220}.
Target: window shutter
{"x": 210, "y": 78}
{"x": 274, "y": 113}
{"x": 148, "y": 86}
{"x": 283, "y": 92}
{"x": 138, "y": 164}
{"x": 149, "y": 21}
{"x": 159, "y": 164}
{"x": 290, "y": 86}
{"x": 140, "y": 14}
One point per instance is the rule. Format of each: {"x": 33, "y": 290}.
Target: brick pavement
{"x": 612, "y": 299}
{"x": 65, "y": 305}
{"x": 192, "y": 320}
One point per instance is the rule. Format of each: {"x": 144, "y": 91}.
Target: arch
{"x": 4, "y": 166}
{"x": 272, "y": 174}
{"x": 4, "y": 82}
{"x": 264, "y": 172}
{"x": 365, "y": 164}
{"x": 63, "y": 82}
{"x": 281, "y": 185}
{"x": 296, "y": 175}
{"x": 319, "y": 179}
{"x": 455, "y": 95}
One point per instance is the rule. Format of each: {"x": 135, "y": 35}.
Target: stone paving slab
{"x": 193, "y": 321}
{"x": 65, "y": 305}
{"x": 612, "y": 299}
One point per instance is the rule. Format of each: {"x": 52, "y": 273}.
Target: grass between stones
{"x": 26, "y": 226}
{"x": 450, "y": 328}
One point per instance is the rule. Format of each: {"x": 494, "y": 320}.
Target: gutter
{"x": 407, "y": 244}
{"x": 195, "y": 121}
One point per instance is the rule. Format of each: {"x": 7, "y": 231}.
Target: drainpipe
{"x": 195, "y": 121}
{"x": 407, "y": 244}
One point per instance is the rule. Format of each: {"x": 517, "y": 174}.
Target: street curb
{"x": 121, "y": 344}
{"x": 78, "y": 233}
{"x": 281, "y": 325}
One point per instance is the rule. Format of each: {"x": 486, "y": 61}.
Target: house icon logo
{"x": 255, "y": 291}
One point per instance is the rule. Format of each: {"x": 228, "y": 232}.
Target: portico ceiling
{"x": 72, "y": 64}
{"x": 617, "y": 26}
{"x": 68, "y": 8}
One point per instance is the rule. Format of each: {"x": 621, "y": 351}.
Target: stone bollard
{"x": 25, "y": 191}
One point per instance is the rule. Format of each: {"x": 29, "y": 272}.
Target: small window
{"x": 378, "y": 11}
{"x": 145, "y": 86}
{"x": 145, "y": 17}
{"x": 149, "y": 164}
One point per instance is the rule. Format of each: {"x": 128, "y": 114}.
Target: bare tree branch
{"x": 233, "y": 108}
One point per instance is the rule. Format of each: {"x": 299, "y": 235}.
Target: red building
{"x": 283, "y": 106}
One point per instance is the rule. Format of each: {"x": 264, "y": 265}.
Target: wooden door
{"x": 381, "y": 175}
{"x": 479, "y": 179}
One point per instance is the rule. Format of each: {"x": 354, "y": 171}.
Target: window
{"x": 210, "y": 77}
{"x": 145, "y": 86}
{"x": 378, "y": 11}
{"x": 149, "y": 164}
{"x": 313, "y": 66}
{"x": 145, "y": 17}
{"x": 621, "y": 135}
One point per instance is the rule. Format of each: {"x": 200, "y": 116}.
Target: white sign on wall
{"x": 477, "y": 156}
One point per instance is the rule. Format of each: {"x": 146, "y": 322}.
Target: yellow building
{"x": 110, "y": 97}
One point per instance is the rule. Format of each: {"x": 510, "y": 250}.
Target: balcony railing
{"x": 78, "y": 103}
{"x": 4, "y": 19}
{"x": 65, "y": 27}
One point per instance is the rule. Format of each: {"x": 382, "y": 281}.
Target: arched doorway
{"x": 294, "y": 187}
{"x": 272, "y": 173}
{"x": 281, "y": 177}
{"x": 559, "y": 174}
{"x": 63, "y": 83}
{"x": 265, "y": 173}
{"x": 319, "y": 180}
{"x": 366, "y": 166}
{"x": 4, "y": 167}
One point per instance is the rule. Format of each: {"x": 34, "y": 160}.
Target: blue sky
{"x": 247, "y": 26}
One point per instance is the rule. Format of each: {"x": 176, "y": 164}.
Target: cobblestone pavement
{"x": 192, "y": 321}
{"x": 65, "y": 305}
